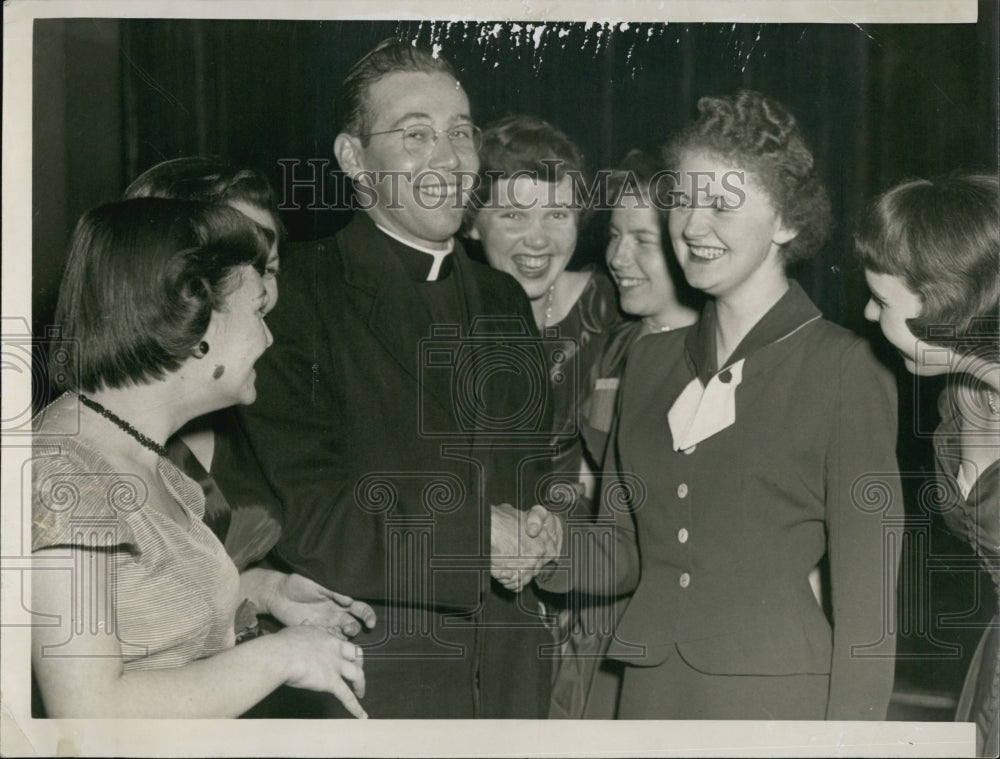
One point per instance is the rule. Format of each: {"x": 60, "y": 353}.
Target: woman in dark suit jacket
{"x": 753, "y": 444}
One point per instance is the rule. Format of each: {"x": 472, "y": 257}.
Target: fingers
{"x": 358, "y": 609}
{"x": 340, "y": 598}
{"x": 545, "y": 529}
{"x": 352, "y": 669}
{"x": 522, "y": 543}
{"x": 535, "y": 522}
{"x": 504, "y": 528}
{"x": 349, "y": 700}
{"x": 344, "y": 623}
{"x": 509, "y": 579}
{"x": 349, "y": 621}
{"x": 364, "y": 612}
{"x": 514, "y": 580}
{"x": 350, "y": 686}
{"x": 351, "y": 652}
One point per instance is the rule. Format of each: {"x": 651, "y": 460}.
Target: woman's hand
{"x": 296, "y": 600}
{"x": 320, "y": 661}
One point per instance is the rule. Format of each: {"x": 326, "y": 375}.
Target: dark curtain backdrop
{"x": 879, "y": 103}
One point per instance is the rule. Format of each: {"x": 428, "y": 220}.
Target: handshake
{"x": 522, "y": 543}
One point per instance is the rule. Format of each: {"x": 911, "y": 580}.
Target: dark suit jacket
{"x": 730, "y": 528}
{"x": 387, "y": 442}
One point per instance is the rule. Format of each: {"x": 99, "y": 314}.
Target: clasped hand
{"x": 522, "y": 543}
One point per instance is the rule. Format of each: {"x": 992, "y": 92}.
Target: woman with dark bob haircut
{"x": 931, "y": 253}
{"x": 161, "y": 308}
{"x": 750, "y": 435}
{"x": 652, "y": 291}
{"x": 213, "y": 449}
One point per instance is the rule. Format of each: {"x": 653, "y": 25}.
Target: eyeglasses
{"x": 420, "y": 139}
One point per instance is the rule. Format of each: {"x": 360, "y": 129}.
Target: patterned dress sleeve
{"x": 77, "y": 500}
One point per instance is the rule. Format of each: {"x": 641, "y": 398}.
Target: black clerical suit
{"x": 387, "y": 432}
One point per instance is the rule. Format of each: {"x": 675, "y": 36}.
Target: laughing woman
{"x": 930, "y": 252}
{"x": 651, "y": 286}
{"x": 162, "y": 306}
{"x": 527, "y": 217}
{"x": 753, "y": 433}
{"x": 213, "y": 449}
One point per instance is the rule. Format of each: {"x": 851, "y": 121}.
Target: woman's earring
{"x": 202, "y": 349}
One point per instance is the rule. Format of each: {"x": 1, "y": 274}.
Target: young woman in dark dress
{"x": 931, "y": 252}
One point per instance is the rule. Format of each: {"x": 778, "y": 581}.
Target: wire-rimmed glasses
{"x": 420, "y": 139}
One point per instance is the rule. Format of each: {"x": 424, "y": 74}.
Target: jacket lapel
{"x": 707, "y": 405}
{"x": 398, "y": 317}
{"x": 793, "y": 311}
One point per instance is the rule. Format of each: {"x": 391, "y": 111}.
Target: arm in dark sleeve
{"x": 601, "y": 557}
{"x": 520, "y": 464}
{"x": 864, "y": 508}
{"x": 255, "y": 513}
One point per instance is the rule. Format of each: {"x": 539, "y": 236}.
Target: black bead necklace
{"x": 144, "y": 441}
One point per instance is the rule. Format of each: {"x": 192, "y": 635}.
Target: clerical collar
{"x": 437, "y": 268}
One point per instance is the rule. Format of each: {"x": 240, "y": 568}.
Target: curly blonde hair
{"x": 761, "y": 136}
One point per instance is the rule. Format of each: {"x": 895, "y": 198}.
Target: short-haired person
{"x": 162, "y": 311}
{"x": 241, "y": 510}
{"x": 761, "y": 437}
{"x": 651, "y": 285}
{"x": 931, "y": 253}
{"x": 651, "y": 290}
{"x": 527, "y": 216}
{"x": 384, "y": 433}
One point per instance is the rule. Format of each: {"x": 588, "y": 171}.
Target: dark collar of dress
{"x": 419, "y": 266}
{"x": 792, "y": 311}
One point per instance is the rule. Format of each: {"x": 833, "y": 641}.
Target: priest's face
{"x": 414, "y": 166}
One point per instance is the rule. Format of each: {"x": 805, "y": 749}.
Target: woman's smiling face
{"x": 636, "y": 259}
{"x": 726, "y": 232}
{"x": 891, "y": 305}
{"x": 529, "y": 230}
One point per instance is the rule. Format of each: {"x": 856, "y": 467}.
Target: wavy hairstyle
{"x": 941, "y": 236}
{"x": 643, "y": 172}
{"x": 760, "y": 135}
{"x": 208, "y": 180}
{"x": 141, "y": 281}
{"x": 352, "y": 109}
{"x": 524, "y": 145}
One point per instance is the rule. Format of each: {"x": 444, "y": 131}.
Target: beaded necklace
{"x": 143, "y": 440}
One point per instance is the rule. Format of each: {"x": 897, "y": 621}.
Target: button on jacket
{"x": 730, "y": 528}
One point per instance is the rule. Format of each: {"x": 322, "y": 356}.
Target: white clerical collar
{"x": 438, "y": 255}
